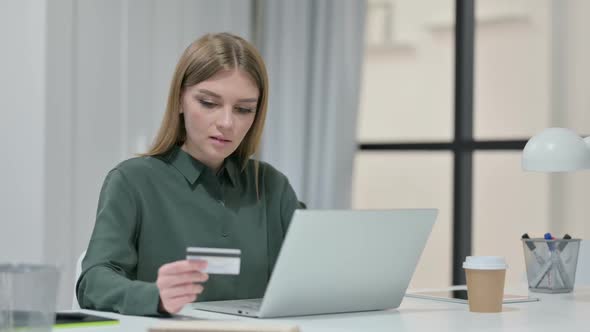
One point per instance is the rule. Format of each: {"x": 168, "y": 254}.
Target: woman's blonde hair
{"x": 201, "y": 60}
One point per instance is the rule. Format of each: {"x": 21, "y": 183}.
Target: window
{"x": 445, "y": 114}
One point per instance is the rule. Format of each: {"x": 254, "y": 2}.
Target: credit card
{"x": 219, "y": 260}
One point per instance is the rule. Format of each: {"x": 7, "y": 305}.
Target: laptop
{"x": 336, "y": 261}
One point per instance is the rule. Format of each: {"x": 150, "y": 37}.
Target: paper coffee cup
{"x": 485, "y": 282}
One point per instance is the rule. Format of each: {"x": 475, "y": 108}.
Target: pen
{"x": 545, "y": 266}
{"x": 529, "y": 244}
{"x": 562, "y": 245}
{"x": 544, "y": 270}
{"x": 550, "y": 272}
{"x": 560, "y": 265}
{"x": 556, "y": 260}
{"x": 549, "y": 237}
{"x": 532, "y": 248}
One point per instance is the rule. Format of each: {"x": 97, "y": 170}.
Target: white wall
{"x": 83, "y": 86}
{"x": 22, "y": 129}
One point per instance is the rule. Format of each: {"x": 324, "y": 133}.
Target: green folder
{"x": 80, "y": 319}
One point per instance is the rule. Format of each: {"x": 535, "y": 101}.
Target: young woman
{"x": 197, "y": 186}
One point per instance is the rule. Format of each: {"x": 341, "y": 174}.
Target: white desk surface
{"x": 555, "y": 312}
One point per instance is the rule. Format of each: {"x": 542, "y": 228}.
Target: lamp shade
{"x": 556, "y": 150}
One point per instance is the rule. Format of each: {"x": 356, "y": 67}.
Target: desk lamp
{"x": 556, "y": 150}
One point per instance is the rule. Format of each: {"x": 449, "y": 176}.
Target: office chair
{"x": 75, "y": 304}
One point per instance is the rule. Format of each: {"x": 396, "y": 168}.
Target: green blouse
{"x": 152, "y": 208}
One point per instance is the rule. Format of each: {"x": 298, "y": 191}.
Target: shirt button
{"x": 224, "y": 234}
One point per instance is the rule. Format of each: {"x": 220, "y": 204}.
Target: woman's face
{"x": 218, "y": 113}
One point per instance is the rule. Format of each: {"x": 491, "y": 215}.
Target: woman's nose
{"x": 225, "y": 119}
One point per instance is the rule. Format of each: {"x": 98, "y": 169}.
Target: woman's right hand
{"x": 179, "y": 283}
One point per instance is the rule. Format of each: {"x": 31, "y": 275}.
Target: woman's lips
{"x": 219, "y": 141}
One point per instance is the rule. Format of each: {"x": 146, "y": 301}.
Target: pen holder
{"x": 551, "y": 264}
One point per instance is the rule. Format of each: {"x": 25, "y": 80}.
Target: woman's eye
{"x": 207, "y": 104}
{"x": 242, "y": 110}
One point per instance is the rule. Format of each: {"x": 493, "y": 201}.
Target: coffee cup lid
{"x": 485, "y": 263}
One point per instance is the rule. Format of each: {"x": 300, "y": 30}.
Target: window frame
{"x": 463, "y": 145}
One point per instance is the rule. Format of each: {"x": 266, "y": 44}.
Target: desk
{"x": 555, "y": 312}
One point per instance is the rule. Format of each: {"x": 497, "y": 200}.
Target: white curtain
{"x": 108, "y": 69}
{"x": 313, "y": 49}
